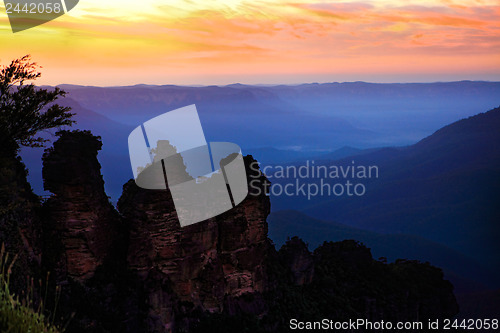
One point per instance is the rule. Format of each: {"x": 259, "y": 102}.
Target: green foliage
{"x": 25, "y": 110}
{"x": 16, "y": 317}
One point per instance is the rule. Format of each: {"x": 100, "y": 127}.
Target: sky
{"x": 124, "y": 42}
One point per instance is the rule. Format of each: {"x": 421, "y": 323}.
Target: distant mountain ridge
{"x": 465, "y": 273}
{"x": 446, "y": 188}
{"x": 252, "y": 117}
{"x": 390, "y": 114}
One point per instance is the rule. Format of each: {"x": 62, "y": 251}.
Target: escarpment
{"x": 82, "y": 228}
{"x": 208, "y": 265}
{"x": 136, "y": 270}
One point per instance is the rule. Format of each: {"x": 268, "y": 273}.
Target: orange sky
{"x": 218, "y": 42}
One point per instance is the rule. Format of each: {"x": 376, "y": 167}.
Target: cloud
{"x": 267, "y": 36}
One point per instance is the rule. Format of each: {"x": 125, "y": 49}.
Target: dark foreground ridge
{"x": 136, "y": 270}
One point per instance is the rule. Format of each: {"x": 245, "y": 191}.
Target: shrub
{"x": 16, "y": 317}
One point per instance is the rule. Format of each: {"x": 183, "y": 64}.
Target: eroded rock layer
{"x": 139, "y": 271}
{"x": 206, "y": 265}
{"x": 82, "y": 227}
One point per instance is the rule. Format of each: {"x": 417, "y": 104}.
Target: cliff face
{"x": 82, "y": 228}
{"x": 404, "y": 290}
{"x": 139, "y": 271}
{"x": 341, "y": 281}
{"x": 295, "y": 256}
{"x": 207, "y": 266}
{"x": 20, "y": 231}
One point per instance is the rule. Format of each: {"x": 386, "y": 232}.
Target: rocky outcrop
{"x": 297, "y": 258}
{"x": 347, "y": 284}
{"x": 82, "y": 228}
{"x": 207, "y": 266}
{"x": 139, "y": 271}
{"x": 406, "y": 290}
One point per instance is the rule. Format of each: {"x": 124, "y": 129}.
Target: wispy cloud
{"x": 188, "y": 41}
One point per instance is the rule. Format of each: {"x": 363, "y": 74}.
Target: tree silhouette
{"x": 25, "y": 109}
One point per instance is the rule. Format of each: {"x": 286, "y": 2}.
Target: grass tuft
{"x": 17, "y": 316}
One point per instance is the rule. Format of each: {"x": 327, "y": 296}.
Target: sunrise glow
{"x": 218, "y": 42}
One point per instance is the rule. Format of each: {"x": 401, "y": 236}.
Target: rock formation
{"x": 82, "y": 228}
{"x": 139, "y": 271}
{"x": 297, "y": 258}
{"x": 207, "y": 265}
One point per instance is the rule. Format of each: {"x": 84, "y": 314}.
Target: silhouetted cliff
{"x": 203, "y": 267}
{"x": 81, "y": 227}
{"x": 139, "y": 271}
{"x": 20, "y": 226}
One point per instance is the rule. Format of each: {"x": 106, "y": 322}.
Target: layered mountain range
{"x": 442, "y": 190}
